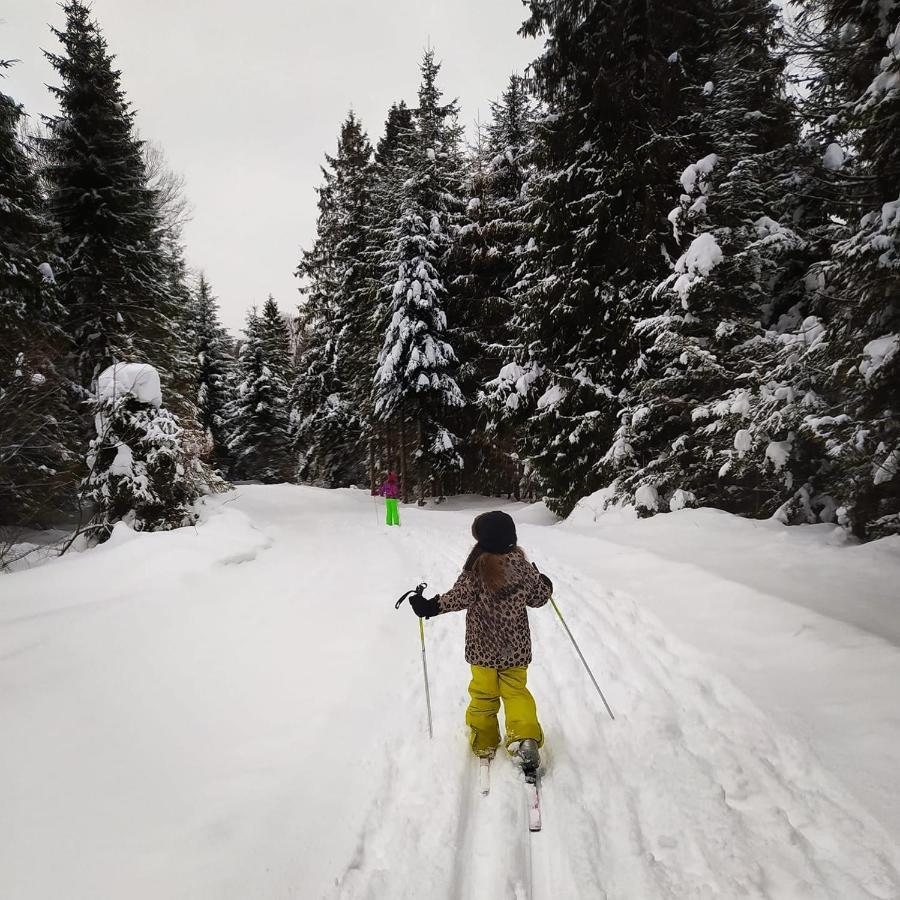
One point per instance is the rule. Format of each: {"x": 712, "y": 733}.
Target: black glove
{"x": 544, "y": 579}
{"x": 424, "y": 607}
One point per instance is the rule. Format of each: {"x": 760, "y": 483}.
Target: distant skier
{"x": 390, "y": 490}
{"x": 496, "y": 586}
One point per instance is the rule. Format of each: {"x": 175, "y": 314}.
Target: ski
{"x": 533, "y": 793}
{"x": 484, "y": 776}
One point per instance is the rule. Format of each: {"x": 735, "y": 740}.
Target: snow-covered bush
{"x": 138, "y": 468}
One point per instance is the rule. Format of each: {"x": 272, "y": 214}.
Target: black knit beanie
{"x": 495, "y": 532}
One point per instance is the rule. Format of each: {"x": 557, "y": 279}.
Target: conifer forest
{"x": 667, "y": 266}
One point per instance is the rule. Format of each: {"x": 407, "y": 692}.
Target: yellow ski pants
{"x": 487, "y": 688}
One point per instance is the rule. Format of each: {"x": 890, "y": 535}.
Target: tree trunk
{"x": 403, "y": 479}
{"x": 421, "y": 472}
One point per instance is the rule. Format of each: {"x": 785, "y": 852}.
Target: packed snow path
{"x": 237, "y": 711}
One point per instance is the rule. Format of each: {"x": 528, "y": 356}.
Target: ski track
{"x": 691, "y": 793}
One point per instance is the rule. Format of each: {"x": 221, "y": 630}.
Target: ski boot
{"x": 529, "y": 757}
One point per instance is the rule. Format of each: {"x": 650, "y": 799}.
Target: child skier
{"x": 390, "y": 490}
{"x": 496, "y": 586}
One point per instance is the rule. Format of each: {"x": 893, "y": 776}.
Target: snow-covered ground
{"x": 236, "y": 710}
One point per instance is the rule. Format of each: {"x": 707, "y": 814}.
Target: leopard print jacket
{"x": 497, "y": 633}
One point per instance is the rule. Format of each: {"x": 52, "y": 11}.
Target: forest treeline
{"x": 668, "y": 265}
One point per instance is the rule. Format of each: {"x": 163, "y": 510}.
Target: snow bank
{"x": 815, "y": 566}
{"x": 534, "y": 514}
{"x": 590, "y": 509}
{"x": 802, "y": 617}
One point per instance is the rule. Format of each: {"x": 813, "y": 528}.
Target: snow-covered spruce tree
{"x": 709, "y": 415}
{"x": 36, "y": 439}
{"x": 415, "y": 380}
{"x": 613, "y": 77}
{"x": 397, "y": 127}
{"x": 139, "y": 470}
{"x": 442, "y": 198}
{"x": 504, "y": 227}
{"x": 324, "y": 419}
{"x": 357, "y": 339}
{"x": 853, "y": 100}
{"x": 114, "y": 281}
{"x": 488, "y": 252}
{"x": 213, "y": 360}
{"x": 330, "y": 398}
{"x": 259, "y": 443}
{"x": 387, "y": 443}
{"x": 275, "y": 339}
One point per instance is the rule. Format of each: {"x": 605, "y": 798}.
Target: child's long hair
{"x": 489, "y": 567}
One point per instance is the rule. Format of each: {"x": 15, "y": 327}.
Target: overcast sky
{"x": 246, "y": 97}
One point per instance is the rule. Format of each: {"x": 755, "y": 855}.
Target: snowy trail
{"x": 693, "y": 792}
{"x": 237, "y": 711}
{"x": 700, "y": 794}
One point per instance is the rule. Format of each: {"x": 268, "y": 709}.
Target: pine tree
{"x": 331, "y": 411}
{"x": 36, "y": 440}
{"x": 389, "y": 443}
{"x": 489, "y": 251}
{"x": 613, "y": 78}
{"x": 181, "y": 373}
{"x": 397, "y": 126}
{"x": 415, "y": 380}
{"x": 276, "y": 340}
{"x": 114, "y": 280}
{"x": 326, "y": 421}
{"x": 708, "y": 416}
{"x": 259, "y": 443}
{"x": 212, "y": 352}
{"x": 853, "y": 101}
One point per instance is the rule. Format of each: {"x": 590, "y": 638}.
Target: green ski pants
{"x": 393, "y": 514}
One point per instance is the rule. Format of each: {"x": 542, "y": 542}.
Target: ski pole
{"x": 581, "y": 655}
{"x": 425, "y": 673}
{"x": 418, "y": 591}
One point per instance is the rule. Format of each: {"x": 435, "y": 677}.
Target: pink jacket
{"x": 390, "y": 489}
